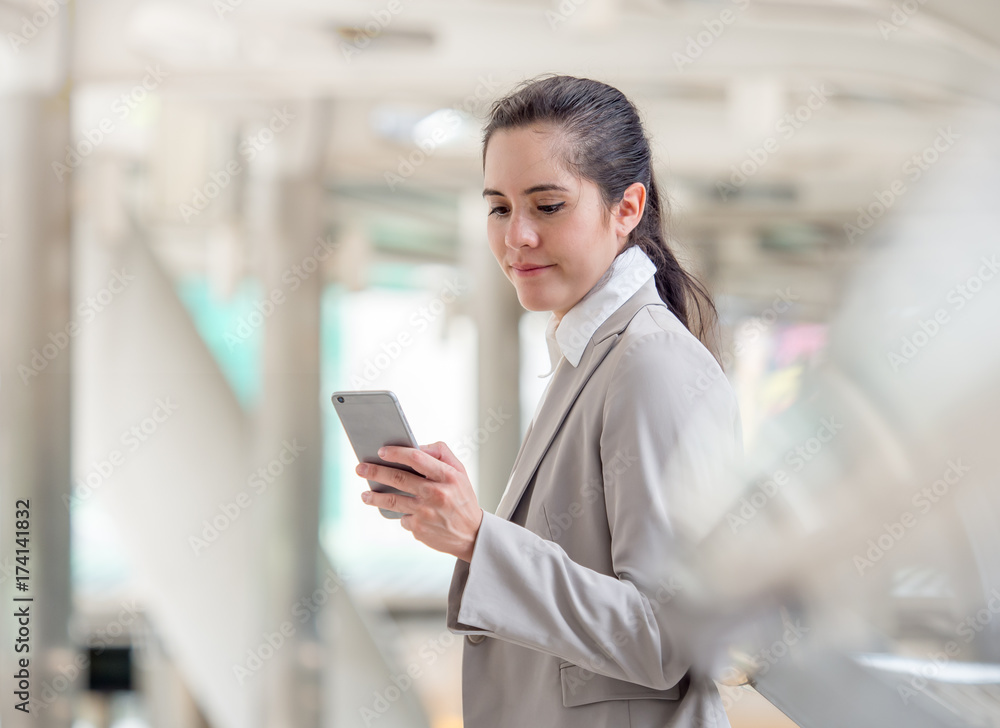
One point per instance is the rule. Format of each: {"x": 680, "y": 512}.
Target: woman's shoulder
{"x": 657, "y": 359}
{"x": 656, "y": 334}
{"x": 662, "y": 370}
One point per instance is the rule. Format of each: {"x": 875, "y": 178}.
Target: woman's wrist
{"x": 467, "y": 554}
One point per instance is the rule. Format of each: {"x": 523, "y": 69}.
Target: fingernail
{"x": 361, "y": 469}
{"x": 366, "y": 496}
{"x": 381, "y": 452}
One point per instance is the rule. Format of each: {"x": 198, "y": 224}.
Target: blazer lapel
{"x": 564, "y": 392}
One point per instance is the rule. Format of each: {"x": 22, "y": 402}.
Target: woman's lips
{"x": 528, "y": 272}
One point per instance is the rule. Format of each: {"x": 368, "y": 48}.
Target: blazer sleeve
{"x": 671, "y": 415}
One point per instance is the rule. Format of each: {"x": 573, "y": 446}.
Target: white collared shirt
{"x": 567, "y": 338}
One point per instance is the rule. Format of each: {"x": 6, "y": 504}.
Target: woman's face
{"x": 546, "y": 227}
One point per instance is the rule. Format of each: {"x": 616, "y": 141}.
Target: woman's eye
{"x": 547, "y": 209}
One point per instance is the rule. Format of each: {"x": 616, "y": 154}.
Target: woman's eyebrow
{"x": 549, "y": 187}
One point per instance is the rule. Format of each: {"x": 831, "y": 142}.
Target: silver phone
{"x": 373, "y": 418}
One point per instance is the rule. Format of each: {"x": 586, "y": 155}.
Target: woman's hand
{"x": 443, "y": 512}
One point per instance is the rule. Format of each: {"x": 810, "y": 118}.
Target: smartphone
{"x": 373, "y": 418}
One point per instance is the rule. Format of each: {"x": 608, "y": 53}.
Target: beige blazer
{"x": 562, "y": 602}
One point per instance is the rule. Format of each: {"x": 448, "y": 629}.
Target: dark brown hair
{"x": 605, "y": 143}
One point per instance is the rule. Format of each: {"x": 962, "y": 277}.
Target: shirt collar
{"x": 570, "y": 336}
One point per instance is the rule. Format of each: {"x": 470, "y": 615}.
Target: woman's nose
{"x": 520, "y": 232}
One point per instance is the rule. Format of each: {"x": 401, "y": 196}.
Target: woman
{"x": 561, "y": 592}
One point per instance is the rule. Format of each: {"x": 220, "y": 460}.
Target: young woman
{"x": 562, "y": 592}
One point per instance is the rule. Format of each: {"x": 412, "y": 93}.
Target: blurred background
{"x": 216, "y": 213}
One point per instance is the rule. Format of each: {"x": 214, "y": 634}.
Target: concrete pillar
{"x": 286, "y": 217}
{"x": 35, "y": 354}
{"x": 497, "y": 312}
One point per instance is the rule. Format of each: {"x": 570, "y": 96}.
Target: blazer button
{"x": 475, "y": 638}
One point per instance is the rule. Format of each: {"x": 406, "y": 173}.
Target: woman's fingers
{"x": 433, "y": 449}
{"x": 449, "y": 514}
{"x": 386, "y": 475}
{"x": 430, "y": 467}
{"x": 389, "y": 501}
{"x": 443, "y": 453}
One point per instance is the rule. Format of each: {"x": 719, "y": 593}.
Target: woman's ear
{"x": 628, "y": 211}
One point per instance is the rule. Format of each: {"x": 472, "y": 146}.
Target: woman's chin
{"x": 534, "y": 303}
